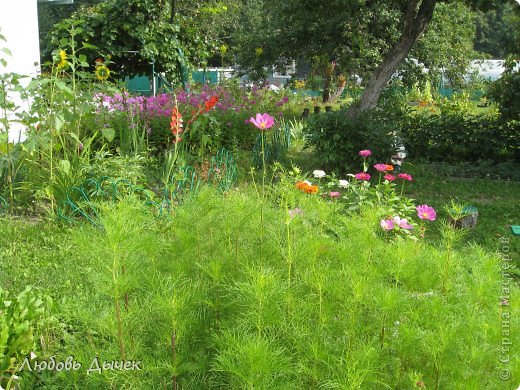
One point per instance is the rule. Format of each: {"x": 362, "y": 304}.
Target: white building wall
{"x": 19, "y": 25}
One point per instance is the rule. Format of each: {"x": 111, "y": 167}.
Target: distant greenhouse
{"x": 488, "y": 69}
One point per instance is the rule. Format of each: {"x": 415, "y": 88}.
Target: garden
{"x": 231, "y": 236}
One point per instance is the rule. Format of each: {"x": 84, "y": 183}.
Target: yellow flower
{"x": 102, "y": 72}
{"x": 299, "y": 84}
{"x": 63, "y": 59}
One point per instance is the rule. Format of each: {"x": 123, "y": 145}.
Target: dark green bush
{"x": 338, "y": 139}
{"x": 461, "y": 137}
{"x": 506, "y": 92}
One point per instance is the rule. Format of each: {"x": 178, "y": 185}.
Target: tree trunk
{"x": 327, "y": 82}
{"x": 418, "y": 17}
{"x": 341, "y": 87}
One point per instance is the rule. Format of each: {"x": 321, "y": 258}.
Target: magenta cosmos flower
{"x": 426, "y": 212}
{"x": 262, "y": 121}
{"x": 389, "y": 177}
{"x": 405, "y": 176}
{"x": 381, "y": 167}
{"x": 362, "y": 176}
{"x": 387, "y": 224}
{"x": 365, "y": 153}
{"x": 402, "y": 223}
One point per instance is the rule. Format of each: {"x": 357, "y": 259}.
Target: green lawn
{"x": 496, "y": 200}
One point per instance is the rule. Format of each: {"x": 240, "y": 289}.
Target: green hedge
{"x": 461, "y": 137}
{"x": 338, "y": 139}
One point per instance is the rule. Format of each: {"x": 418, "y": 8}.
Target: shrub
{"x": 461, "y": 137}
{"x": 338, "y": 138}
{"x": 506, "y": 92}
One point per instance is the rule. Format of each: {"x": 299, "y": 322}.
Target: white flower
{"x": 318, "y": 174}
{"x": 308, "y": 182}
{"x": 344, "y": 183}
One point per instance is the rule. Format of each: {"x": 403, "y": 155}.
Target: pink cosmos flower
{"x": 294, "y": 212}
{"x": 262, "y": 121}
{"x": 387, "y": 224}
{"x": 334, "y": 194}
{"x": 402, "y": 223}
{"x": 381, "y": 167}
{"x": 405, "y": 176}
{"x": 426, "y": 212}
{"x": 362, "y": 176}
{"x": 365, "y": 153}
{"x": 389, "y": 177}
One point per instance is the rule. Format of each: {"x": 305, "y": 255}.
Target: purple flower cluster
{"x": 162, "y": 104}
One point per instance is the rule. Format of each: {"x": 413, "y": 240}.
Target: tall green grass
{"x": 202, "y": 309}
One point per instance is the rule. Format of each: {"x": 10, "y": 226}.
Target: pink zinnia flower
{"x": 362, "y": 176}
{"x": 426, "y": 212}
{"x": 334, "y": 194}
{"x": 262, "y": 121}
{"x": 387, "y": 224}
{"x": 389, "y": 177}
{"x": 365, "y": 153}
{"x": 381, "y": 167}
{"x": 405, "y": 176}
{"x": 402, "y": 223}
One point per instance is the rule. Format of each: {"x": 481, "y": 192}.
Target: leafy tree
{"x": 135, "y": 33}
{"x": 506, "y": 91}
{"x": 447, "y": 46}
{"x": 50, "y": 13}
{"x": 339, "y": 37}
{"x": 417, "y": 18}
{"x": 371, "y": 38}
{"x": 498, "y": 31}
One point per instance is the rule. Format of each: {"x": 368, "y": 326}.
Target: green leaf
{"x": 58, "y": 121}
{"x": 89, "y": 46}
{"x": 64, "y": 87}
{"x": 64, "y": 166}
{"x": 109, "y": 133}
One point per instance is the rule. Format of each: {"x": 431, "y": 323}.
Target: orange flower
{"x": 301, "y": 185}
{"x": 306, "y": 187}
{"x": 176, "y": 124}
{"x": 311, "y": 189}
{"x": 211, "y": 103}
{"x": 389, "y": 167}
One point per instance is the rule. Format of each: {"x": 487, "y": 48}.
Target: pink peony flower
{"x": 381, "y": 167}
{"x": 402, "y": 223}
{"x": 365, "y": 153}
{"x": 387, "y": 224}
{"x": 262, "y": 121}
{"x": 389, "y": 177}
{"x": 362, "y": 176}
{"x": 426, "y": 212}
{"x": 334, "y": 194}
{"x": 405, "y": 176}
